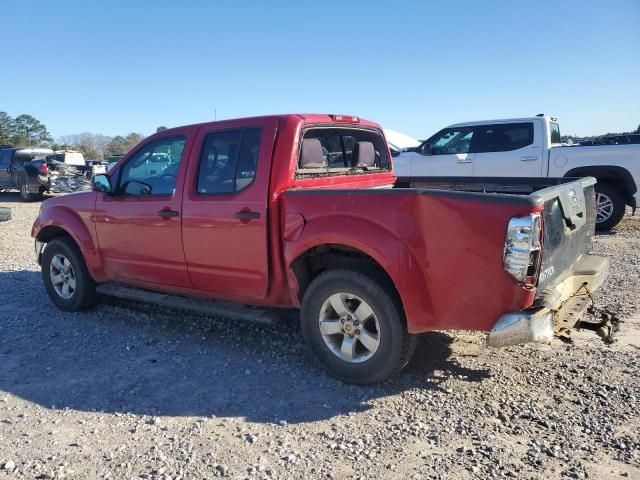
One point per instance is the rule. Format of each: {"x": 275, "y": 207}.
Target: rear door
{"x": 508, "y": 150}
{"x": 138, "y": 227}
{"x": 224, "y": 209}
{"x": 449, "y": 155}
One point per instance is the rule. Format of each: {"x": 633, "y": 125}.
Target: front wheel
{"x": 610, "y": 206}
{"x": 355, "y": 327}
{"x": 66, "y": 277}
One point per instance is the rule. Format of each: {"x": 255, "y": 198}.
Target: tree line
{"x": 27, "y": 131}
{"x": 24, "y": 130}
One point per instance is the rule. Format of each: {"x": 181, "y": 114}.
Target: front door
{"x": 224, "y": 224}
{"x": 139, "y": 226}
{"x": 446, "y": 154}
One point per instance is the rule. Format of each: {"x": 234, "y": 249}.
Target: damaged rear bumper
{"x": 559, "y": 306}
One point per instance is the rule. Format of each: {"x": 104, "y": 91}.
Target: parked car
{"x": 528, "y": 147}
{"x": 303, "y": 211}
{"x": 25, "y": 169}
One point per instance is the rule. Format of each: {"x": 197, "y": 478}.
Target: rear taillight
{"x": 44, "y": 169}
{"x": 522, "y": 248}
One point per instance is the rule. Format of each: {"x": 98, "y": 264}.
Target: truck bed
{"x": 453, "y": 238}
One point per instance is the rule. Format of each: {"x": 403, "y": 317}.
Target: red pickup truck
{"x": 240, "y": 216}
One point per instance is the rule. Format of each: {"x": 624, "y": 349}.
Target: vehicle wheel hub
{"x": 349, "y": 327}
{"x": 62, "y": 276}
{"x": 604, "y": 207}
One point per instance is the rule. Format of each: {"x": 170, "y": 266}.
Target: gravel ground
{"x": 130, "y": 391}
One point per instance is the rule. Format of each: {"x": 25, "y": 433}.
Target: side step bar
{"x": 210, "y": 307}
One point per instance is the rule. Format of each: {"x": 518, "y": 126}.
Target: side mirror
{"x": 101, "y": 183}
{"x": 425, "y": 149}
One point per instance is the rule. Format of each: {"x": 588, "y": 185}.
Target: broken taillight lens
{"x": 522, "y": 248}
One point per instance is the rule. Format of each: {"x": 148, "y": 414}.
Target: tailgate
{"x": 568, "y": 220}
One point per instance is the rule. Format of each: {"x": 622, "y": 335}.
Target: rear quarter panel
{"x": 443, "y": 250}
{"x": 563, "y": 159}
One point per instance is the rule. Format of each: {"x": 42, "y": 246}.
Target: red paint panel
{"x": 440, "y": 251}
{"x": 135, "y": 241}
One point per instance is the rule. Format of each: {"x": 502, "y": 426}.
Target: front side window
{"x": 501, "y": 137}
{"x": 154, "y": 169}
{"x": 555, "y": 133}
{"x": 451, "y": 141}
{"x": 228, "y": 161}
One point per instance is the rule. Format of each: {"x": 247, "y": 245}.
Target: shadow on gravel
{"x": 144, "y": 360}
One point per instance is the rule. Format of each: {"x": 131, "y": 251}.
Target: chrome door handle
{"x": 528, "y": 159}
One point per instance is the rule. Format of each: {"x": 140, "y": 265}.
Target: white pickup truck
{"x": 527, "y": 148}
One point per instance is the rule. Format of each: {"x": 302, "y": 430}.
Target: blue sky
{"x": 113, "y": 67}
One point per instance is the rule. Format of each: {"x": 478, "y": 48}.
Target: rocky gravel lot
{"x": 131, "y": 391}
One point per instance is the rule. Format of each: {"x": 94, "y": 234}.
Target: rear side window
{"x": 341, "y": 151}
{"x": 555, "y": 133}
{"x": 228, "y": 161}
{"x": 501, "y": 137}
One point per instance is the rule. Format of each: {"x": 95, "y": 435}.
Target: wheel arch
{"x": 327, "y": 256}
{"x": 620, "y": 177}
{"x": 62, "y": 223}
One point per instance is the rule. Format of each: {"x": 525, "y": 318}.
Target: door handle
{"x": 168, "y": 213}
{"x": 528, "y": 159}
{"x": 247, "y": 215}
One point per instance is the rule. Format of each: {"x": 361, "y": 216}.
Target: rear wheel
{"x": 25, "y": 195}
{"x": 355, "y": 327}
{"x": 610, "y": 206}
{"x": 66, "y": 277}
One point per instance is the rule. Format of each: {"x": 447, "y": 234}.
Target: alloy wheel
{"x": 349, "y": 327}
{"x": 62, "y": 276}
{"x": 604, "y": 207}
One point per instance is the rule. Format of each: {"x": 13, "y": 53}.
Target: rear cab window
{"x": 332, "y": 151}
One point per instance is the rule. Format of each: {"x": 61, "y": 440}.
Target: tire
{"x": 84, "y": 294}
{"x": 610, "y": 206}
{"x": 24, "y": 193}
{"x": 385, "y": 324}
{"x": 5, "y": 214}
